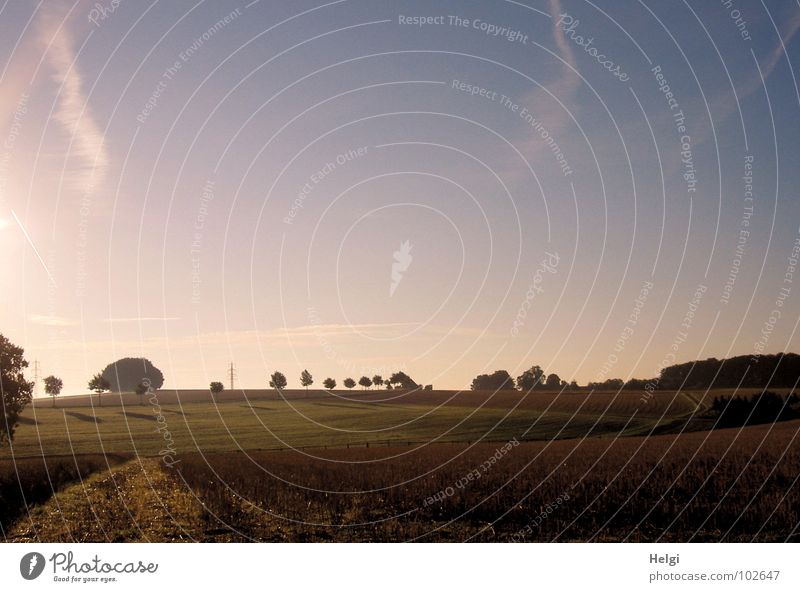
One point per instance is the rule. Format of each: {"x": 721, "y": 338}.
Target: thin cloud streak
{"x": 51, "y": 320}
{"x": 72, "y": 110}
{"x": 139, "y": 319}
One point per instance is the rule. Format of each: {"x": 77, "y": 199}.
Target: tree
{"x": 15, "y": 391}
{"x": 99, "y": 384}
{"x": 349, "y": 383}
{"x": 553, "y": 381}
{"x": 365, "y": 382}
{"x": 306, "y": 379}
{"x": 216, "y": 387}
{"x": 377, "y": 380}
{"x": 402, "y": 380}
{"x": 277, "y": 381}
{"x": 530, "y": 379}
{"x": 124, "y": 374}
{"x": 329, "y": 383}
{"x": 53, "y": 386}
{"x": 499, "y": 380}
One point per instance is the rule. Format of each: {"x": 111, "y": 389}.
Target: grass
{"x": 570, "y": 477}
{"x": 324, "y": 420}
{"x": 725, "y": 485}
{"x": 707, "y": 486}
{"x": 27, "y": 482}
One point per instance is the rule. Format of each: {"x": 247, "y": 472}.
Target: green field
{"x": 318, "y": 419}
{"x": 378, "y": 466}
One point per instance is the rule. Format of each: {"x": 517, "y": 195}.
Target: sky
{"x": 353, "y": 187}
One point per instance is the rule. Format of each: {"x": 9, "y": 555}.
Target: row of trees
{"x": 533, "y": 378}
{"x": 277, "y": 380}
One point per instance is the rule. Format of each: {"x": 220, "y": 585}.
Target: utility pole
{"x": 36, "y": 377}
{"x": 232, "y": 374}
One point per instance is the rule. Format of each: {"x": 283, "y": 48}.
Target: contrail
{"x": 35, "y": 250}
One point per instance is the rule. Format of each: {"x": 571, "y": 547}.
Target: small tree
{"x": 329, "y": 383}
{"x": 365, "y": 382}
{"x": 216, "y": 387}
{"x": 306, "y": 379}
{"x": 377, "y": 380}
{"x": 349, "y": 383}
{"x": 99, "y": 384}
{"x": 530, "y": 379}
{"x": 277, "y": 381}
{"x": 53, "y": 386}
{"x": 553, "y": 381}
{"x": 15, "y": 391}
{"x": 402, "y": 380}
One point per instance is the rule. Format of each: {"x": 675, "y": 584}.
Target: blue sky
{"x": 156, "y": 195}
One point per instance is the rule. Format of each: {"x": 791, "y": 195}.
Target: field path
{"x": 136, "y": 502}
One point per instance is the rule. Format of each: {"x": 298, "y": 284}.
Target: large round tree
{"x": 124, "y": 375}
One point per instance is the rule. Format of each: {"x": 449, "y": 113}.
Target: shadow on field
{"x": 27, "y": 421}
{"x": 358, "y": 405}
{"x": 259, "y": 408}
{"x": 132, "y": 415}
{"x": 83, "y": 417}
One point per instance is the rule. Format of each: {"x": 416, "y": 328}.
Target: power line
{"x": 36, "y": 377}
{"x": 232, "y": 374}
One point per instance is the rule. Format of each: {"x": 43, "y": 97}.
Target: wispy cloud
{"x": 86, "y": 142}
{"x": 139, "y": 319}
{"x": 553, "y": 116}
{"x": 51, "y": 320}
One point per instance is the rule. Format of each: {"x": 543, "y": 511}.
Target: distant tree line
{"x": 764, "y": 371}
{"x": 773, "y": 370}
{"x": 532, "y": 379}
